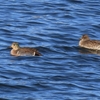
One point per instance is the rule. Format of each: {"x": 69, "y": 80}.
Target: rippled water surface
{"x": 54, "y": 27}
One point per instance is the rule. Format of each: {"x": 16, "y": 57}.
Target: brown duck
{"x": 23, "y": 51}
{"x": 86, "y": 42}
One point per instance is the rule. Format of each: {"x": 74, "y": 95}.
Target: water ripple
{"x": 54, "y": 28}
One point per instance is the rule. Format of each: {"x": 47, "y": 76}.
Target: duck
{"x": 23, "y": 51}
{"x": 86, "y": 42}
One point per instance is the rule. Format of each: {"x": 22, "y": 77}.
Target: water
{"x": 65, "y": 71}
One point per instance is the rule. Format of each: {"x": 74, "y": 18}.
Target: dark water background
{"x": 54, "y": 27}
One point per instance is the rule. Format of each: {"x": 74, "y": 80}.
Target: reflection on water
{"x": 89, "y": 51}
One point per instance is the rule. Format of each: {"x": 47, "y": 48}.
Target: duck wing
{"x": 28, "y": 51}
{"x": 91, "y": 44}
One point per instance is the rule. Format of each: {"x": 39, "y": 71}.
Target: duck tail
{"x": 38, "y": 53}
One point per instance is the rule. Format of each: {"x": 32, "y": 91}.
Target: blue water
{"x": 54, "y": 27}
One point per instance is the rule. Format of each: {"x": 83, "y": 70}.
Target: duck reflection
{"x": 89, "y": 51}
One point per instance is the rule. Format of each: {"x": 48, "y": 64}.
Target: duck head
{"x": 15, "y": 45}
{"x": 85, "y": 37}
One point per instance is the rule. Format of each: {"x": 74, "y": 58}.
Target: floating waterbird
{"x": 86, "y": 42}
{"x": 22, "y": 51}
